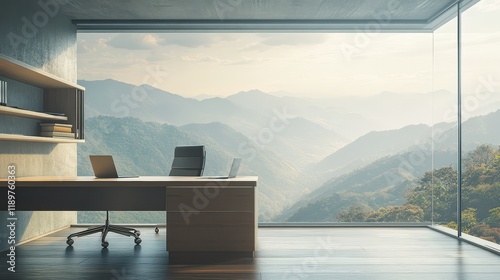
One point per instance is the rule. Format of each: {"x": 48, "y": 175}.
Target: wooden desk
{"x": 206, "y": 218}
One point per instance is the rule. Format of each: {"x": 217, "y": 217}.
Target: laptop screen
{"x": 103, "y": 166}
{"x": 234, "y": 168}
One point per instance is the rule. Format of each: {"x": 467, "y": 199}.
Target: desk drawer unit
{"x": 211, "y": 220}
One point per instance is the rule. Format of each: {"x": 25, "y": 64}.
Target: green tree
{"x": 404, "y": 213}
{"x": 452, "y": 225}
{"x": 481, "y": 156}
{"x": 494, "y": 219}
{"x": 436, "y": 195}
{"x": 469, "y": 219}
{"x": 357, "y": 212}
{"x": 482, "y": 197}
{"x": 486, "y": 232}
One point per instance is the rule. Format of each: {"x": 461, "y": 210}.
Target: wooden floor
{"x": 283, "y": 253}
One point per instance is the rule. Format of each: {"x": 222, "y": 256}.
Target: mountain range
{"x": 274, "y": 125}
{"x": 308, "y": 153}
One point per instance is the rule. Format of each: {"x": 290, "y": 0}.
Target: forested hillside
{"x": 433, "y": 197}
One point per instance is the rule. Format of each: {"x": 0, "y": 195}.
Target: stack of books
{"x": 56, "y": 130}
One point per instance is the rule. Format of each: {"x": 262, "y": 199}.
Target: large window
{"x": 481, "y": 104}
{"x": 325, "y": 120}
{"x": 339, "y": 127}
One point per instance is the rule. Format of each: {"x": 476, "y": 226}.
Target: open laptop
{"x": 232, "y": 172}
{"x": 104, "y": 167}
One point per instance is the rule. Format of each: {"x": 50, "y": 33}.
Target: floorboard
{"x": 283, "y": 253}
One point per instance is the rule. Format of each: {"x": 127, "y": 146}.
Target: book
{"x": 56, "y": 128}
{"x": 57, "y": 134}
{"x": 56, "y": 124}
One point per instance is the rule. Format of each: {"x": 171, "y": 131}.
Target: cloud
{"x": 160, "y": 54}
{"x": 94, "y": 42}
{"x": 247, "y": 60}
{"x": 134, "y": 41}
{"x": 197, "y": 58}
{"x": 85, "y": 47}
{"x": 216, "y": 60}
{"x": 188, "y": 40}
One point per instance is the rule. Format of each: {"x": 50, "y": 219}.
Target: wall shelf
{"x": 4, "y": 110}
{"x": 25, "y": 73}
{"x": 25, "y": 138}
{"x": 59, "y": 96}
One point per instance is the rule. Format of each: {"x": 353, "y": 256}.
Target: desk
{"x": 206, "y": 218}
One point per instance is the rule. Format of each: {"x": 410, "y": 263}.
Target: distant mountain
{"x": 298, "y": 141}
{"x": 270, "y": 125}
{"x": 118, "y": 99}
{"x": 351, "y": 116}
{"x": 345, "y": 122}
{"x": 475, "y": 131}
{"x": 390, "y": 110}
{"x": 203, "y": 96}
{"x": 303, "y": 142}
{"x": 371, "y": 147}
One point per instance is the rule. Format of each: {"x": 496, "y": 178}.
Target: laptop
{"x": 232, "y": 172}
{"x": 104, "y": 167}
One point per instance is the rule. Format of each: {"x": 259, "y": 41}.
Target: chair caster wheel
{"x": 137, "y": 240}
{"x": 157, "y": 230}
{"x": 105, "y": 244}
{"x": 70, "y": 242}
{"x": 137, "y": 233}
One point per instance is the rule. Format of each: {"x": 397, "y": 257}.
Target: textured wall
{"x": 37, "y": 33}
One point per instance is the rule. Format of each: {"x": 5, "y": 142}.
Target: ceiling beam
{"x": 367, "y": 26}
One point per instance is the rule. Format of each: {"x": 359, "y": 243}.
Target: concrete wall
{"x": 37, "y": 33}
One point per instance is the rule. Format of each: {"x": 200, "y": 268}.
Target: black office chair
{"x": 104, "y": 229}
{"x": 188, "y": 161}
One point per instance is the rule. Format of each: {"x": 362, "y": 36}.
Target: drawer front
{"x": 211, "y": 231}
{"x": 210, "y": 199}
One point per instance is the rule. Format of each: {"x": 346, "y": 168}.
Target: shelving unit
{"x": 59, "y": 96}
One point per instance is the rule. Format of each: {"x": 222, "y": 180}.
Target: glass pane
{"x": 439, "y": 187}
{"x": 481, "y": 104}
{"x": 338, "y": 127}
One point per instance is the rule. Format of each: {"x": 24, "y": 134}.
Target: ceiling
{"x": 261, "y": 15}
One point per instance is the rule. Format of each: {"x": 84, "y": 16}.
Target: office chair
{"x": 104, "y": 229}
{"x": 188, "y": 161}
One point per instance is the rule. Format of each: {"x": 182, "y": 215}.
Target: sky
{"x": 310, "y": 64}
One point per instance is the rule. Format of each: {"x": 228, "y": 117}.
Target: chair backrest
{"x": 188, "y": 161}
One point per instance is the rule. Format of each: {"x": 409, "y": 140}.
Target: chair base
{"x": 104, "y": 229}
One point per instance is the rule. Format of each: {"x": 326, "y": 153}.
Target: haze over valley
{"x": 310, "y": 154}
